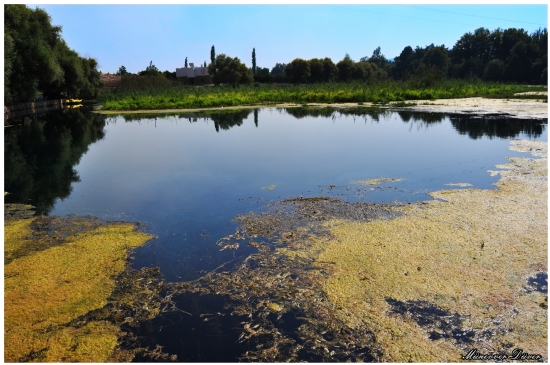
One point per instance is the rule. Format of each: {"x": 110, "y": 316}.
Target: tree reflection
{"x": 41, "y": 152}
{"x": 229, "y": 119}
{"x": 428, "y": 118}
{"x": 491, "y": 127}
{"x": 473, "y": 126}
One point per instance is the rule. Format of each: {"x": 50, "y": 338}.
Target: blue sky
{"x": 134, "y": 35}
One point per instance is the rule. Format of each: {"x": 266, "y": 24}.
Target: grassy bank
{"x": 167, "y": 96}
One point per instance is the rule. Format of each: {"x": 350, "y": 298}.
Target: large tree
{"x": 316, "y": 70}
{"x": 228, "y": 70}
{"x": 345, "y": 69}
{"x": 330, "y": 71}
{"x": 278, "y": 72}
{"x": 38, "y": 62}
{"x": 298, "y": 70}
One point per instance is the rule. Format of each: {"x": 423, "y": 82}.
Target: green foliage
{"x": 122, "y": 71}
{"x": 262, "y": 75}
{"x": 298, "y": 70}
{"x": 150, "y": 70}
{"x": 378, "y": 58}
{"x": 212, "y": 55}
{"x": 330, "y": 71}
{"x": 346, "y": 68}
{"x": 437, "y": 58}
{"x": 254, "y": 61}
{"x": 316, "y": 70}
{"x": 494, "y": 71}
{"x": 9, "y": 54}
{"x": 374, "y": 90}
{"x": 278, "y": 72}
{"x": 170, "y": 75}
{"x": 521, "y": 57}
{"x": 228, "y": 70}
{"x": 38, "y": 62}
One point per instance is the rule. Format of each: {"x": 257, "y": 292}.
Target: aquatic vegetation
{"x": 376, "y": 181}
{"x": 68, "y": 292}
{"x": 471, "y": 255}
{"x": 286, "y": 284}
{"x": 419, "y": 282}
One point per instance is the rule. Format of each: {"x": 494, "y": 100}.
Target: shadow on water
{"x": 40, "y": 154}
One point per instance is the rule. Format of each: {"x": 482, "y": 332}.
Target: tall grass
{"x": 157, "y": 94}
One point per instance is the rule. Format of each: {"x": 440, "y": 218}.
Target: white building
{"x": 194, "y": 75}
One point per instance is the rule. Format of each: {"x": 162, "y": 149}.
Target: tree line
{"x": 510, "y": 55}
{"x": 37, "y": 61}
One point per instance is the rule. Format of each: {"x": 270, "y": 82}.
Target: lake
{"x": 185, "y": 177}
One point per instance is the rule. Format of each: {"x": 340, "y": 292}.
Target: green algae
{"x": 66, "y": 281}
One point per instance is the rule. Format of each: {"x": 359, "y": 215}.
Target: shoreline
{"x": 512, "y": 108}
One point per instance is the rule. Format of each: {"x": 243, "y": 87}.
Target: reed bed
{"x": 153, "y": 93}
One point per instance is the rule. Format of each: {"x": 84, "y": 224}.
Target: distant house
{"x": 194, "y": 75}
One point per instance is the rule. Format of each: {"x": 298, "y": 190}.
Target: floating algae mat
{"x": 376, "y": 181}
{"x": 68, "y": 293}
{"x": 424, "y": 282}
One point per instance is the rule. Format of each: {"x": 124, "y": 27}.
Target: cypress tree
{"x": 212, "y": 54}
{"x": 254, "y": 61}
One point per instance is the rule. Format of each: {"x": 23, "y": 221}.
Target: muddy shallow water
{"x": 186, "y": 177}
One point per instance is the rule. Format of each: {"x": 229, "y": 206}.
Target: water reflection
{"x": 41, "y": 152}
{"x": 223, "y": 119}
{"x": 229, "y": 119}
{"x": 421, "y": 117}
{"x": 478, "y": 127}
{"x": 474, "y": 127}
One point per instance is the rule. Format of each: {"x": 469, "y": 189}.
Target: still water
{"x": 185, "y": 177}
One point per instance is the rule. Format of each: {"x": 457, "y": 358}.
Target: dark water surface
{"x": 186, "y": 177}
